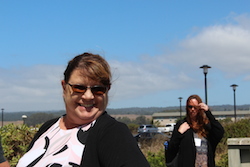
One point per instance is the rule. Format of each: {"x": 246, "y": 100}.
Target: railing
{"x": 238, "y": 152}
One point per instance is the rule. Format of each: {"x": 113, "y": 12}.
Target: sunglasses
{"x": 96, "y": 90}
{"x": 190, "y": 107}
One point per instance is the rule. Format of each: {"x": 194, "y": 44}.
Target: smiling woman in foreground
{"x": 86, "y": 135}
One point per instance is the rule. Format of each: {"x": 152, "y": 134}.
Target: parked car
{"x": 148, "y": 136}
{"x": 171, "y": 126}
{"x": 168, "y": 128}
{"x": 147, "y": 128}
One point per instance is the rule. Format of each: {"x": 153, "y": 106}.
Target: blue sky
{"x": 155, "y": 49}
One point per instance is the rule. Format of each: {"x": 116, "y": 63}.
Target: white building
{"x": 164, "y": 118}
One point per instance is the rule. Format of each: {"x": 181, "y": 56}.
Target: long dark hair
{"x": 201, "y": 120}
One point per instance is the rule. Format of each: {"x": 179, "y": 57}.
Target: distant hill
{"x": 15, "y": 116}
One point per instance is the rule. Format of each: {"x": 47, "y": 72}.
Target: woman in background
{"x": 86, "y": 135}
{"x": 195, "y": 138}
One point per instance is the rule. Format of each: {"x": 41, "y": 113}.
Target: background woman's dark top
{"x": 184, "y": 145}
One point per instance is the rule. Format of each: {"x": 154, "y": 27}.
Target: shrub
{"x": 238, "y": 129}
{"x": 156, "y": 159}
{"x": 133, "y": 128}
{"x": 222, "y": 161}
{"x": 15, "y": 140}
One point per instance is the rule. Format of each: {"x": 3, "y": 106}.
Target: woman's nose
{"x": 88, "y": 94}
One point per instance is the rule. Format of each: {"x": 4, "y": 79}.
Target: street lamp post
{"x": 2, "y": 116}
{"x": 180, "y": 106}
{"x": 24, "y": 117}
{"x": 205, "y": 70}
{"x": 234, "y": 89}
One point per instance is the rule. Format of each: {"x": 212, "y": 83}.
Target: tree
{"x": 141, "y": 120}
{"x": 125, "y": 120}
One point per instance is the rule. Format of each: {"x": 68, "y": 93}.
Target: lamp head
{"x": 205, "y": 68}
{"x": 234, "y": 86}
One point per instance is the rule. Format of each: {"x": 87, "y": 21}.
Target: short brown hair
{"x": 96, "y": 66}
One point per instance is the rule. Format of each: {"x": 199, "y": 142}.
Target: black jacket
{"x": 109, "y": 144}
{"x": 184, "y": 145}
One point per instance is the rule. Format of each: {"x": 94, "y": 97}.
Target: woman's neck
{"x": 65, "y": 124}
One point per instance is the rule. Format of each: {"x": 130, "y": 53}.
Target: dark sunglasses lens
{"x": 195, "y": 107}
{"x": 98, "y": 90}
{"x": 79, "y": 88}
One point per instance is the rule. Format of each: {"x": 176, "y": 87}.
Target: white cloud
{"x": 225, "y": 47}
{"x": 133, "y": 80}
{"x": 31, "y": 88}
